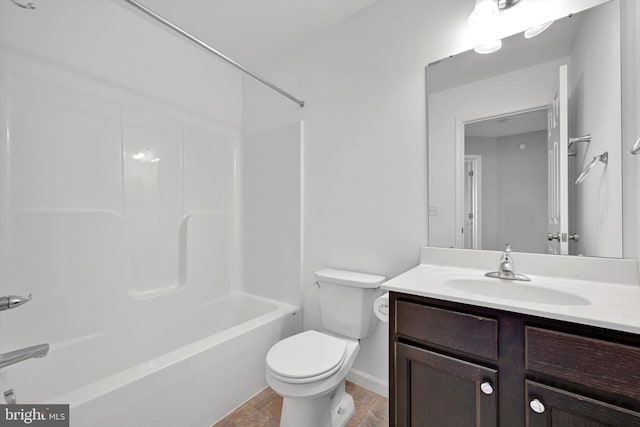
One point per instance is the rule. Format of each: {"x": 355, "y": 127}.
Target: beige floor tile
{"x": 263, "y": 410}
{"x": 245, "y": 416}
{"x": 263, "y": 398}
{"x": 274, "y": 408}
{"x": 372, "y": 420}
{"x": 381, "y": 407}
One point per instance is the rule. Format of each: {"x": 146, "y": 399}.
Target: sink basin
{"x": 515, "y": 291}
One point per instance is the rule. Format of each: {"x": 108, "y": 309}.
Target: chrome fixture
{"x": 13, "y": 357}
{"x": 506, "y": 4}
{"x": 573, "y": 151}
{"x": 13, "y": 301}
{"x": 144, "y": 9}
{"x": 24, "y": 5}
{"x": 604, "y": 158}
{"x": 10, "y": 397}
{"x": 507, "y": 270}
{"x": 636, "y": 147}
{"x": 551, "y": 237}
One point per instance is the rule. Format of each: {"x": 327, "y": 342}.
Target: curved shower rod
{"x": 144, "y": 9}
{"x": 24, "y": 5}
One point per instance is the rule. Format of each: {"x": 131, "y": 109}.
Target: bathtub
{"x": 192, "y": 371}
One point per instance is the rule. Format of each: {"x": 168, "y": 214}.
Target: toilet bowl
{"x": 309, "y": 369}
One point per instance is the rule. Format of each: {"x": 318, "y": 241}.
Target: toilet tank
{"x": 346, "y": 301}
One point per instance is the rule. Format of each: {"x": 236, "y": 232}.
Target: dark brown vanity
{"x": 461, "y": 365}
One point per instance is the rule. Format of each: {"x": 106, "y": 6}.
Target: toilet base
{"x": 333, "y": 409}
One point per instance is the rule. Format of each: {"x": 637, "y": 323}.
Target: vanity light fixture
{"x": 483, "y": 11}
{"x": 482, "y": 19}
{"x": 536, "y": 31}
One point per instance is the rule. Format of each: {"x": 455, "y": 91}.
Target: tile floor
{"x": 263, "y": 410}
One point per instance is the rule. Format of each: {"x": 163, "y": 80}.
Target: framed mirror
{"x": 525, "y": 143}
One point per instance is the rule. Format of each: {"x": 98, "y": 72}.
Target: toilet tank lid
{"x": 349, "y": 278}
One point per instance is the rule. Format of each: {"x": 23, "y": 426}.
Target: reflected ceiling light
{"x": 489, "y": 47}
{"x": 535, "y": 31}
{"x": 146, "y": 156}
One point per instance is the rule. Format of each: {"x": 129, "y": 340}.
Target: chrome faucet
{"x": 13, "y": 357}
{"x": 506, "y": 270}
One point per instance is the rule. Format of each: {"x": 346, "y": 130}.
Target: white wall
{"x": 271, "y": 212}
{"x": 514, "y": 190}
{"x": 595, "y": 107}
{"x": 522, "y": 189}
{"x": 365, "y": 157}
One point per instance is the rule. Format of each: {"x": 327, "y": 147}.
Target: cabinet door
{"x": 433, "y": 390}
{"x": 551, "y": 407}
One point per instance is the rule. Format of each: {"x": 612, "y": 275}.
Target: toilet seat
{"x": 306, "y": 357}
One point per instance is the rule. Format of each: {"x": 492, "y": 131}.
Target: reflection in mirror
{"x": 500, "y": 126}
{"x": 506, "y": 182}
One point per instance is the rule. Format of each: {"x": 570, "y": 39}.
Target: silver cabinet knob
{"x": 574, "y": 237}
{"x": 551, "y": 237}
{"x": 486, "y": 387}
{"x": 537, "y": 406}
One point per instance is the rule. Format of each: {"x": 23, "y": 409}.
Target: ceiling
{"x": 514, "y": 124}
{"x": 252, "y": 31}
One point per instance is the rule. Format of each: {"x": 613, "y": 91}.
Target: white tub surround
{"x": 592, "y": 291}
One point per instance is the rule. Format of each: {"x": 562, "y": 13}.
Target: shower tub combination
{"x": 189, "y": 379}
{"x": 122, "y": 212}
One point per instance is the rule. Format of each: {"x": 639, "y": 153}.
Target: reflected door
{"x": 557, "y": 147}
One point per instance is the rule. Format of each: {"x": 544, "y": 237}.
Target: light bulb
{"x": 484, "y": 10}
{"x": 535, "y": 31}
{"x": 489, "y": 47}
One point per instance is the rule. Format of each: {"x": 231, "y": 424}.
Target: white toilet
{"x": 309, "y": 369}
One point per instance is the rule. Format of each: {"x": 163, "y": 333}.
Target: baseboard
{"x": 369, "y": 382}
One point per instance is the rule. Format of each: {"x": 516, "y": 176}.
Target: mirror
{"x": 510, "y": 133}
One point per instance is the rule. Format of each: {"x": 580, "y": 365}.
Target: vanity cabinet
{"x": 455, "y": 365}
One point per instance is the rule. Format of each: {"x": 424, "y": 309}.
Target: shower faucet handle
{"x": 13, "y": 301}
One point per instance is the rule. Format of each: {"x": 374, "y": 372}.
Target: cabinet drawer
{"x": 594, "y": 363}
{"x": 458, "y": 331}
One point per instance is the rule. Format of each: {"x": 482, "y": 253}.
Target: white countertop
{"x": 605, "y": 305}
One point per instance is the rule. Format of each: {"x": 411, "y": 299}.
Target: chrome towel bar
{"x": 604, "y": 158}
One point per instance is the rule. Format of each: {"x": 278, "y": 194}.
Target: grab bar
{"x": 604, "y": 158}
{"x": 636, "y": 147}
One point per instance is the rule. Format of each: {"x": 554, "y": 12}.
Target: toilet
{"x": 309, "y": 369}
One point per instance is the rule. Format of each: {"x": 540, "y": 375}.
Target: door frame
{"x": 459, "y": 154}
{"x": 476, "y": 159}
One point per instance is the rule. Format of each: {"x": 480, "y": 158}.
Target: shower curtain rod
{"x": 209, "y": 49}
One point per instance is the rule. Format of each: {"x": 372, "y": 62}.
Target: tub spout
{"x": 13, "y": 357}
